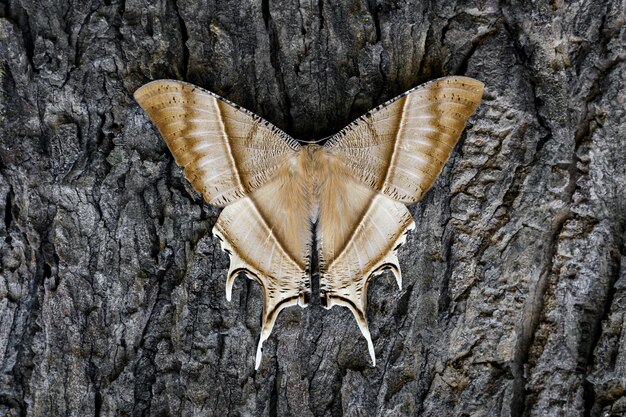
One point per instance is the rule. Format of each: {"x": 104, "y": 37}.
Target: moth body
{"x": 277, "y": 194}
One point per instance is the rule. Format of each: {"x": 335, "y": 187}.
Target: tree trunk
{"x": 112, "y": 288}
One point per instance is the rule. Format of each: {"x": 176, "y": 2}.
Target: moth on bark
{"x": 275, "y": 191}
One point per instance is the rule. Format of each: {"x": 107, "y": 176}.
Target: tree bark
{"x": 112, "y": 289}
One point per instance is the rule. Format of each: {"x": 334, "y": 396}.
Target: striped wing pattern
{"x": 400, "y": 148}
{"x": 225, "y": 151}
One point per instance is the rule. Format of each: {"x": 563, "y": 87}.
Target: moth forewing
{"x": 226, "y": 152}
{"x": 400, "y": 147}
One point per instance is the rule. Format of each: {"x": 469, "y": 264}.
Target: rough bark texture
{"x": 112, "y": 289}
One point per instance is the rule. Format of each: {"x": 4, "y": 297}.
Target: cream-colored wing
{"x": 225, "y": 151}
{"x": 399, "y": 148}
{"x": 358, "y": 233}
{"x": 268, "y": 237}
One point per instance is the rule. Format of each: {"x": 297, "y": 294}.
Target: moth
{"x": 281, "y": 197}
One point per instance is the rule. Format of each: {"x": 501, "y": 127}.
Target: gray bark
{"x": 112, "y": 289}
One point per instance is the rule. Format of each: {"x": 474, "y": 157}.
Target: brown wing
{"x": 358, "y": 233}
{"x": 225, "y": 151}
{"x": 235, "y": 158}
{"x": 400, "y": 148}
{"x": 268, "y": 237}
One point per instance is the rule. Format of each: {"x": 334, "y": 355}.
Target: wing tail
{"x": 257, "y": 250}
{"x": 350, "y": 291}
{"x": 357, "y": 305}
{"x": 364, "y": 247}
